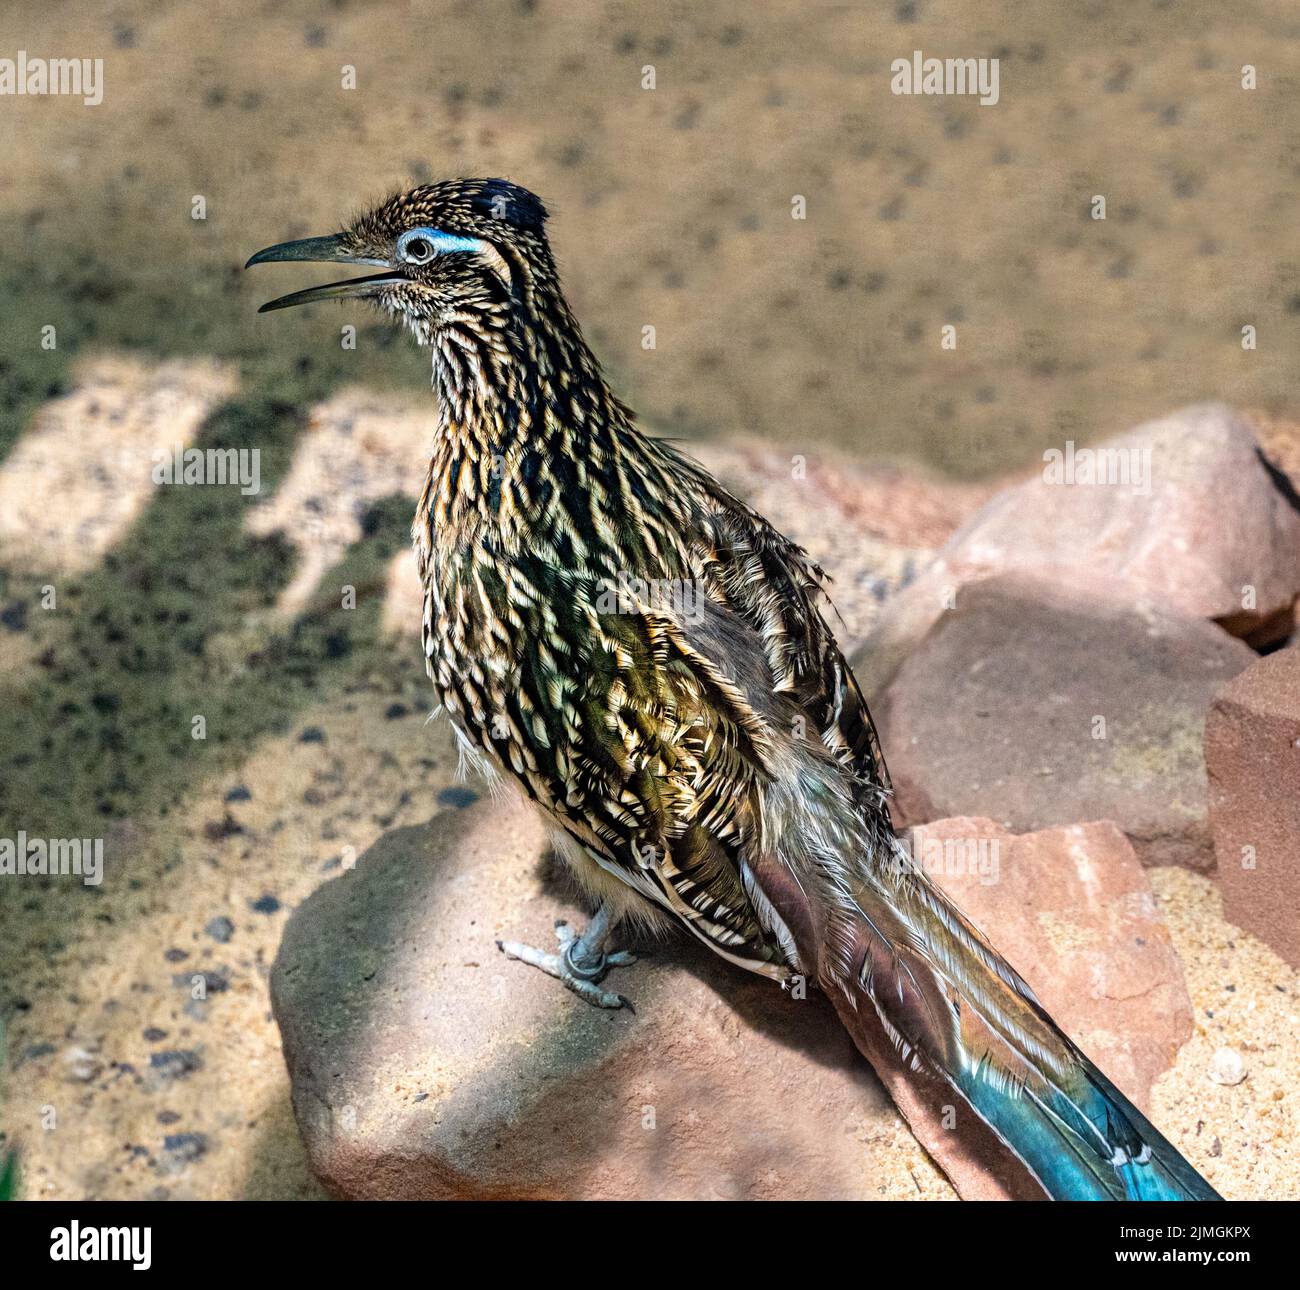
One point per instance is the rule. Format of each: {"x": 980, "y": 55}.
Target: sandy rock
{"x": 1166, "y": 545}
{"x": 424, "y": 1065}
{"x": 1252, "y": 755}
{"x": 1038, "y": 707}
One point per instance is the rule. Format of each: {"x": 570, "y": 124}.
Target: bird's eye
{"x": 419, "y": 250}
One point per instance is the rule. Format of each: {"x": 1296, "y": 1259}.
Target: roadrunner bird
{"x": 716, "y": 767}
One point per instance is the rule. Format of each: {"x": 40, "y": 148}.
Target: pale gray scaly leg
{"x": 581, "y": 961}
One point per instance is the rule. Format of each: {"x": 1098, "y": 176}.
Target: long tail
{"x": 1086, "y": 1141}
{"x": 892, "y": 952}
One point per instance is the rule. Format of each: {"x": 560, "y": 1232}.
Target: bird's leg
{"x": 581, "y": 962}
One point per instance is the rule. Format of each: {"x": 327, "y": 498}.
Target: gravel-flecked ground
{"x": 774, "y": 336}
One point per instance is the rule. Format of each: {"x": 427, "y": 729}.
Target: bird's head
{"x": 442, "y": 249}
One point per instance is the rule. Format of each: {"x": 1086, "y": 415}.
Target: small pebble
{"x": 1226, "y": 1067}
{"x": 220, "y": 929}
{"x": 219, "y": 830}
{"x": 175, "y": 1063}
{"x": 215, "y": 980}
{"x": 185, "y": 1146}
{"x": 82, "y": 1066}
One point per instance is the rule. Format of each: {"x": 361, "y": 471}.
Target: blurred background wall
{"x": 672, "y": 206}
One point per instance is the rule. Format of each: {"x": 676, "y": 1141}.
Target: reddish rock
{"x": 1037, "y": 707}
{"x": 1163, "y": 543}
{"x": 1252, "y": 755}
{"x": 1073, "y": 912}
{"x": 425, "y": 1065}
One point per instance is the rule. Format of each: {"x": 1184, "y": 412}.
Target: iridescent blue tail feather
{"x": 1090, "y": 1143}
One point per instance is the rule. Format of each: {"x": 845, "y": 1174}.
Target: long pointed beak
{"x": 327, "y": 250}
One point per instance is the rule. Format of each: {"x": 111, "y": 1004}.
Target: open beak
{"x": 325, "y": 250}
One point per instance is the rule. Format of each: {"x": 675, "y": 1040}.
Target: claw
{"x": 580, "y": 975}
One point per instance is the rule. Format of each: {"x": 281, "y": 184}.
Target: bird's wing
{"x": 644, "y": 731}
{"x": 772, "y": 584}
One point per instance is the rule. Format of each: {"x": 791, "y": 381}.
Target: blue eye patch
{"x": 440, "y": 241}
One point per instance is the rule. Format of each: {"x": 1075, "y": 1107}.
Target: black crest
{"x": 500, "y": 199}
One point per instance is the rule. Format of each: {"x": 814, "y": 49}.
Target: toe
{"x": 549, "y": 963}
{"x": 599, "y": 998}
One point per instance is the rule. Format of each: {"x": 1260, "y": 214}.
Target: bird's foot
{"x": 577, "y": 964}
